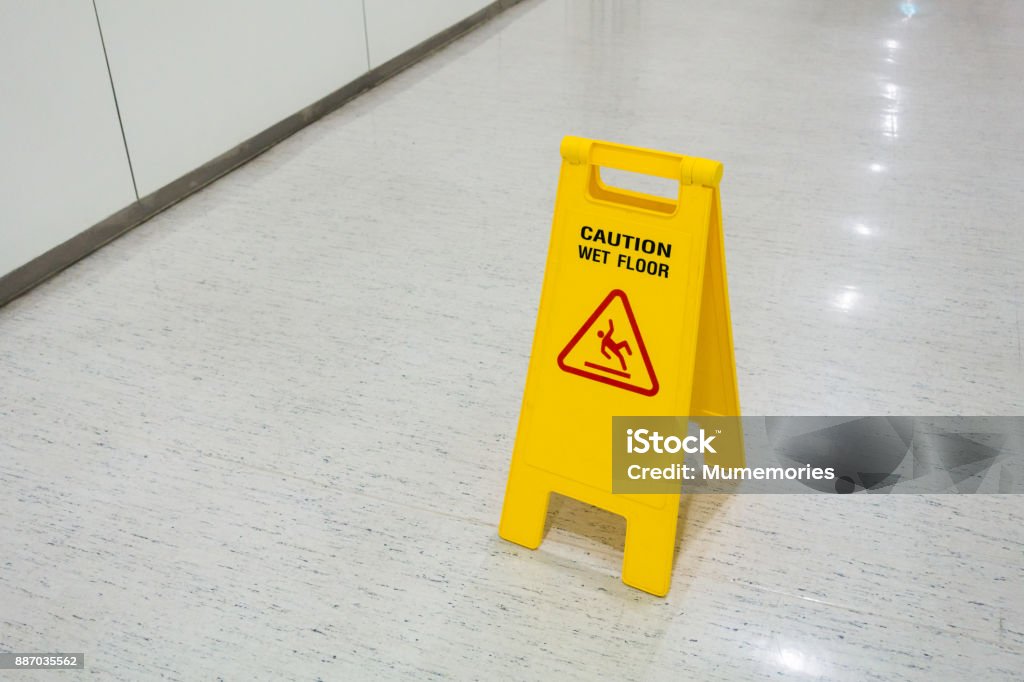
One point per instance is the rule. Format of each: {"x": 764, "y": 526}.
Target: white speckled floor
{"x": 265, "y": 435}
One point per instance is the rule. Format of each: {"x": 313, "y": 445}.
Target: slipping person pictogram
{"x": 608, "y": 344}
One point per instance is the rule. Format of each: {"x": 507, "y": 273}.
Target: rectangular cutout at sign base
{"x": 633, "y": 320}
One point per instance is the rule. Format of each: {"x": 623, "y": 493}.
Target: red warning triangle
{"x": 608, "y": 348}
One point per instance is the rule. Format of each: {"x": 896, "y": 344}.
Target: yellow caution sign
{"x": 633, "y": 320}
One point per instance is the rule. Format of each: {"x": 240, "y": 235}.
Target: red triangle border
{"x": 636, "y": 335}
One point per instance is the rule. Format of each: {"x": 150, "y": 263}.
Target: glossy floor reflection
{"x": 265, "y": 436}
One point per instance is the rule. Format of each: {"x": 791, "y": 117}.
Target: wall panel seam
{"x": 117, "y": 108}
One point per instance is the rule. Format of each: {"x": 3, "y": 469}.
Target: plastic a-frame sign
{"x": 633, "y": 321}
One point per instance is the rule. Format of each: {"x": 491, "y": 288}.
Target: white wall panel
{"x": 393, "y": 26}
{"x": 195, "y": 78}
{"x": 62, "y": 161}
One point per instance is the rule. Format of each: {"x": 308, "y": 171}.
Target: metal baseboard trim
{"x": 62, "y": 256}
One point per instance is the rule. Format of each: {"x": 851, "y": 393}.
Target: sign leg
{"x": 525, "y": 510}
{"x": 650, "y": 548}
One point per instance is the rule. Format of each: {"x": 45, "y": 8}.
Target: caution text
{"x": 644, "y": 264}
